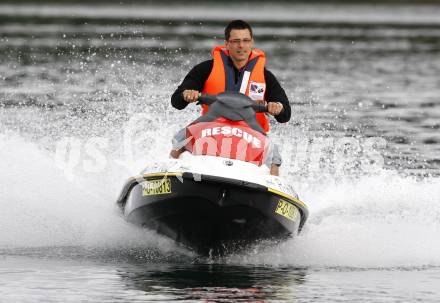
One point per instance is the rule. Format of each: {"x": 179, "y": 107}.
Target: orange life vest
{"x": 251, "y": 82}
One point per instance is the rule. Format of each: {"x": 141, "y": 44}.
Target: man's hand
{"x": 274, "y": 108}
{"x": 190, "y": 95}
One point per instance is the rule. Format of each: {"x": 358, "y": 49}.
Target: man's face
{"x": 239, "y": 45}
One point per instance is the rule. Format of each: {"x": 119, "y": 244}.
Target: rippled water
{"x": 362, "y": 149}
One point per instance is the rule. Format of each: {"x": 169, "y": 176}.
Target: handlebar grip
{"x": 206, "y": 99}
{"x": 259, "y": 107}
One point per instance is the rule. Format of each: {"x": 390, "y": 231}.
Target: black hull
{"x": 212, "y": 214}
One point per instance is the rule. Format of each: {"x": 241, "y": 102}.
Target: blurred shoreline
{"x": 177, "y": 2}
{"x": 194, "y": 13}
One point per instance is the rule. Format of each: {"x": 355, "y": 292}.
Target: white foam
{"x": 381, "y": 221}
{"x": 41, "y": 207}
{"x": 384, "y": 220}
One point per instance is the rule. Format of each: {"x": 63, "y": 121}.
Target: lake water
{"x": 84, "y": 104}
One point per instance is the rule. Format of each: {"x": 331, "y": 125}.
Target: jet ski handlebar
{"x": 208, "y": 99}
{"x": 259, "y": 107}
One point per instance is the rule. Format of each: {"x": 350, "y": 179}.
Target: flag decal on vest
{"x": 256, "y": 90}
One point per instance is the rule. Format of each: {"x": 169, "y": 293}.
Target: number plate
{"x": 156, "y": 187}
{"x": 286, "y": 210}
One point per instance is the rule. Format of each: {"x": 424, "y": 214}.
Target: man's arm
{"x": 195, "y": 80}
{"x": 275, "y": 93}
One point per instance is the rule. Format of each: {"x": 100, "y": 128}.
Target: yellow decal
{"x": 294, "y": 199}
{"x": 286, "y": 209}
{"x": 156, "y": 187}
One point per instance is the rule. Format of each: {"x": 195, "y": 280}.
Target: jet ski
{"x": 218, "y": 196}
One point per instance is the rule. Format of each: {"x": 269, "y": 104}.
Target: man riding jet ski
{"x": 236, "y": 66}
{"x": 219, "y": 196}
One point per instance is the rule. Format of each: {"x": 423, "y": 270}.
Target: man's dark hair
{"x": 236, "y": 24}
